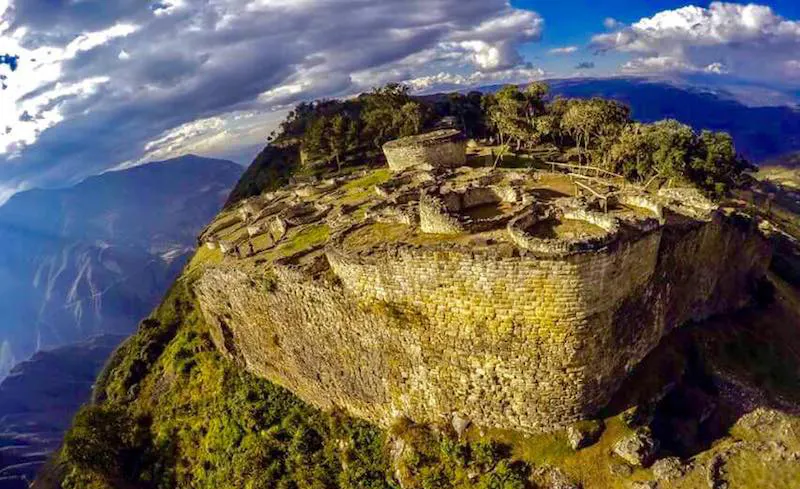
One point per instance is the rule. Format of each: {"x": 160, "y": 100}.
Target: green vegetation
{"x": 170, "y": 412}
{"x": 357, "y": 191}
{"x": 271, "y": 168}
{"x": 332, "y": 130}
{"x": 439, "y": 460}
{"x": 604, "y": 136}
{"x": 595, "y": 132}
{"x": 304, "y": 239}
{"x": 331, "y": 138}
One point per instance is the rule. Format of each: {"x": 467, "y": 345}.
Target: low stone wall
{"x": 503, "y": 337}
{"x": 688, "y": 201}
{"x": 434, "y": 217}
{"x": 445, "y": 212}
{"x": 561, "y": 247}
{"x": 439, "y": 149}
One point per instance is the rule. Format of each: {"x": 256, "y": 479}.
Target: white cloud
{"x": 90, "y": 40}
{"x": 748, "y": 41}
{"x": 611, "y": 23}
{"x": 445, "y": 80}
{"x": 792, "y": 68}
{"x": 219, "y": 136}
{"x": 34, "y": 92}
{"x": 110, "y": 87}
{"x": 667, "y": 64}
{"x": 169, "y": 8}
{"x": 564, "y": 50}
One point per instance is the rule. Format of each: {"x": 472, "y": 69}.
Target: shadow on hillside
{"x": 703, "y": 377}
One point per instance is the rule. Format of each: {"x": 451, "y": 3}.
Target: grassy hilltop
{"x": 170, "y": 411}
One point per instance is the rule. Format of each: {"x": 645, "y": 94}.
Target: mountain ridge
{"x": 96, "y": 257}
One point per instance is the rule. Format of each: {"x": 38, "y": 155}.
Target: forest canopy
{"x": 595, "y": 131}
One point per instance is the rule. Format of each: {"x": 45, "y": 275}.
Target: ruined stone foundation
{"x": 443, "y": 148}
{"x": 505, "y": 337}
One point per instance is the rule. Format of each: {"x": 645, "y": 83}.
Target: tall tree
{"x": 509, "y": 115}
{"x": 594, "y": 122}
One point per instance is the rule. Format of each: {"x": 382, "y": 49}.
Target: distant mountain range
{"x": 37, "y": 401}
{"x": 96, "y": 257}
{"x": 760, "y": 133}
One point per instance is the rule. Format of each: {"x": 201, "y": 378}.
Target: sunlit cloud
{"x": 564, "y": 50}
{"x": 151, "y": 79}
{"x": 750, "y": 42}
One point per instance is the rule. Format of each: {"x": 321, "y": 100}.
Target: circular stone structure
{"x": 471, "y": 209}
{"x": 445, "y": 148}
{"x": 522, "y": 231}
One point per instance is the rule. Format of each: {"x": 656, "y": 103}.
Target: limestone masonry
{"x": 491, "y": 294}
{"x": 443, "y": 148}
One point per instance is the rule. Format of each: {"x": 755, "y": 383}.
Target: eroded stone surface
{"x": 584, "y": 433}
{"x": 442, "y": 148}
{"x": 637, "y": 448}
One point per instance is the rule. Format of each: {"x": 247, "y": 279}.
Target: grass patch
{"x": 591, "y": 465}
{"x": 375, "y": 234}
{"x": 301, "y": 239}
{"x": 368, "y": 181}
{"x": 362, "y": 189}
{"x": 172, "y": 413}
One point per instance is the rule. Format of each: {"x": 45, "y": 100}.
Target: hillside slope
{"x": 712, "y": 403}
{"x": 719, "y": 398}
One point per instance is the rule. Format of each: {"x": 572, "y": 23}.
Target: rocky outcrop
{"x": 637, "y": 448}
{"x": 584, "y": 433}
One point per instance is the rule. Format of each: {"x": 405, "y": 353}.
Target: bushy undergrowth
{"x": 170, "y": 412}
{"x": 439, "y": 460}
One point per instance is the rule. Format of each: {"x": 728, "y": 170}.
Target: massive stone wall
{"x": 503, "y": 337}
{"x": 439, "y": 149}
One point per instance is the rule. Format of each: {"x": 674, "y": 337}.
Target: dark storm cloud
{"x": 57, "y": 21}
{"x": 190, "y": 60}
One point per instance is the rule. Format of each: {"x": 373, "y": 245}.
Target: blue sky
{"x": 104, "y": 84}
{"x": 573, "y": 23}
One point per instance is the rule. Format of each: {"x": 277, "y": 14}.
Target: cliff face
{"x": 504, "y": 338}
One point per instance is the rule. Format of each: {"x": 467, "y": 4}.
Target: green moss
{"x": 438, "y": 459}
{"x": 362, "y": 189}
{"x": 302, "y": 239}
{"x": 377, "y": 233}
{"x": 368, "y": 181}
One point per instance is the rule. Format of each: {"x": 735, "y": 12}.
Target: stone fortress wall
{"x": 529, "y": 335}
{"x": 445, "y": 148}
{"x": 504, "y": 339}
